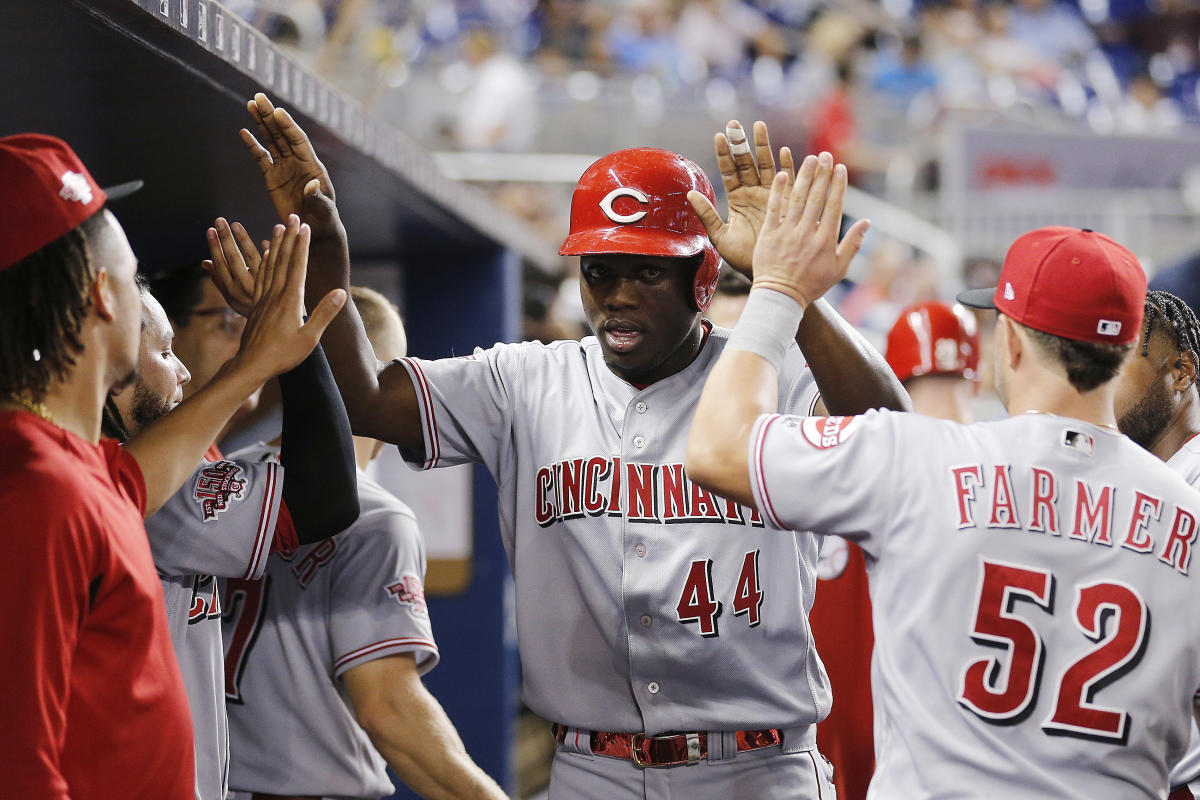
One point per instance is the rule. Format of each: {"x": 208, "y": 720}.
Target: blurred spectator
{"x": 1146, "y": 108}
{"x": 499, "y": 111}
{"x": 1053, "y": 28}
{"x": 903, "y": 75}
{"x": 643, "y": 39}
{"x": 720, "y": 33}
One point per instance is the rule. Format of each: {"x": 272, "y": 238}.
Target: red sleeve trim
{"x": 429, "y": 421}
{"x": 263, "y": 536}
{"x": 768, "y": 507}
{"x": 377, "y": 649}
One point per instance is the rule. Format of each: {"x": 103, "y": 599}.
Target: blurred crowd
{"x": 1127, "y": 65}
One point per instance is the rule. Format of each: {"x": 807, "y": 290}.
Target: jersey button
{"x": 652, "y": 687}
{"x": 647, "y": 621}
{"x": 639, "y": 550}
{"x": 639, "y": 442}
{"x": 641, "y": 407}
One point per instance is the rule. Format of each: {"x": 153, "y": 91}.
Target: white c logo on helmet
{"x": 606, "y": 205}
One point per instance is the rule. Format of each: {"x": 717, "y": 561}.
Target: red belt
{"x": 665, "y": 751}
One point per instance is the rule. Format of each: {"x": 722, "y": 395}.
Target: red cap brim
{"x": 633, "y": 241}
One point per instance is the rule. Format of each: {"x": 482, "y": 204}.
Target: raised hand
{"x": 234, "y": 264}
{"x": 277, "y": 337}
{"x": 798, "y": 252}
{"x": 746, "y": 172}
{"x": 288, "y": 161}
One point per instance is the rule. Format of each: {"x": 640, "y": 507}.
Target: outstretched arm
{"x": 797, "y": 259}
{"x": 321, "y": 485}
{"x": 380, "y": 399}
{"x": 276, "y": 339}
{"x": 412, "y": 732}
{"x": 851, "y": 374}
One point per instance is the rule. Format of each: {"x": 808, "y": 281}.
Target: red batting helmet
{"x": 635, "y": 201}
{"x": 934, "y": 338}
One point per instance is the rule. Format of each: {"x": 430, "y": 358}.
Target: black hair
{"x": 1178, "y": 323}
{"x": 44, "y": 299}
{"x": 179, "y": 290}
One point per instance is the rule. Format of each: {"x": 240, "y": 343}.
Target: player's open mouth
{"x": 622, "y": 338}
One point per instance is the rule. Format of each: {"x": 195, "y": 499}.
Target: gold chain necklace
{"x": 32, "y": 406}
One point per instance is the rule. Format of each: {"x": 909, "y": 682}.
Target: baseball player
{"x": 324, "y": 653}
{"x": 651, "y": 615}
{"x": 1158, "y": 407}
{"x": 934, "y": 350}
{"x": 230, "y": 513}
{"x": 1022, "y": 571}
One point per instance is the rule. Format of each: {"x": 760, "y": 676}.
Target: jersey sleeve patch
{"x": 409, "y": 592}
{"x": 218, "y": 487}
{"x": 825, "y": 432}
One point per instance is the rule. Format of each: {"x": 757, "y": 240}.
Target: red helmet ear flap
{"x": 707, "y": 276}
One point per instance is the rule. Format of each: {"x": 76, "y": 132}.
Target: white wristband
{"x": 767, "y": 326}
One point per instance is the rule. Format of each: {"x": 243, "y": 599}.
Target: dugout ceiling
{"x": 156, "y": 89}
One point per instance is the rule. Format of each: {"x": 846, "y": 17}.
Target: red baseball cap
{"x": 1069, "y": 282}
{"x": 45, "y": 192}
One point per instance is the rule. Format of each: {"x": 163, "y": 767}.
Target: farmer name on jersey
{"x": 598, "y": 486}
{"x": 1074, "y": 509}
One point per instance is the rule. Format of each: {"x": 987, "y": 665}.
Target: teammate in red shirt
{"x": 94, "y": 705}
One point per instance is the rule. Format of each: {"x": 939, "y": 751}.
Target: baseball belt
{"x": 665, "y": 751}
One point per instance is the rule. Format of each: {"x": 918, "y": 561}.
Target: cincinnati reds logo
{"x": 606, "y": 205}
{"x": 217, "y": 486}
{"x": 826, "y": 432}
{"x": 408, "y": 592}
{"x": 75, "y": 187}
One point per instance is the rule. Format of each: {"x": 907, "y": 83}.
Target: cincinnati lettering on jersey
{"x": 599, "y": 486}
{"x": 1074, "y": 509}
{"x": 217, "y": 485}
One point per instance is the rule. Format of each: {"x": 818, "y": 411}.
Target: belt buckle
{"x": 691, "y": 742}
{"x": 635, "y": 747}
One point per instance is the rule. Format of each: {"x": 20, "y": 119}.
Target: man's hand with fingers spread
{"x": 277, "y": 337}
{"x": 296, "y": 180}
{"x": 798, "y": 252}
{"x": 746, "y": 171}
{"x": 234, "y": 264}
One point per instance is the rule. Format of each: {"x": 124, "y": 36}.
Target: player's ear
{"x": 1185, "y": 372}
{"x": 1012, "y": 345}
{"x": 103, "y": 299}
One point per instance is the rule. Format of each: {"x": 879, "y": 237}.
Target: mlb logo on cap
{"x": 1069, "y": 282}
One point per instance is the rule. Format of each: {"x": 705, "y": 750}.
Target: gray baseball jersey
{"x": 643, "y": 602}
{"x": 221, "y": 523}
{"x": 1016, "y": 570}
{"x": 290, "y": 636}
{"x": 1186, "y": 462}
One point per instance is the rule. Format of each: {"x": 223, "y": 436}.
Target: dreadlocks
{"x": 1179, "y": 324}
{"x": 44, "y": 299}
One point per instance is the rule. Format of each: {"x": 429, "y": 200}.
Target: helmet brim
{"x": 633, "y": 241}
